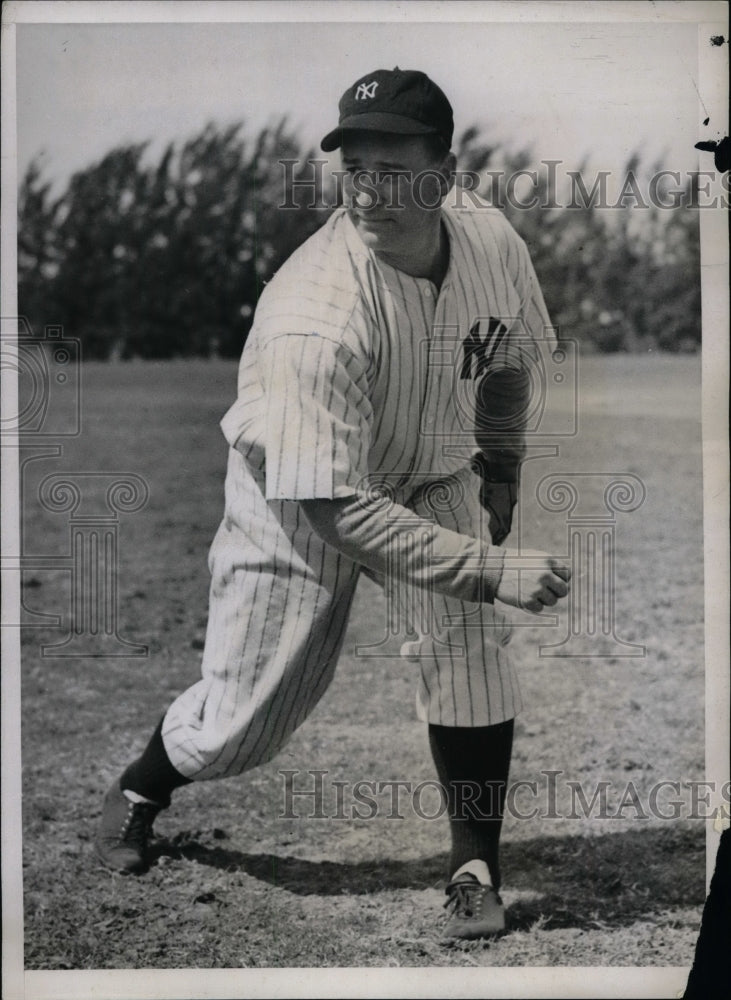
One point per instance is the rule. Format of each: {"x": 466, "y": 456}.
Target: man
{"x": 349, "y": 451}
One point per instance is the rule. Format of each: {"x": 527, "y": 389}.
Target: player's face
{"x": 393, "y": 188}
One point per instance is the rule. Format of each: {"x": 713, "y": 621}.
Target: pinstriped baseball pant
{"x": 279, "y": 604}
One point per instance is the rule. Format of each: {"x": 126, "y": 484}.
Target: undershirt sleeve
{"x": 504, "y": 395}
{"x": 317, "y": 418}
{"x": 393, "y": 542}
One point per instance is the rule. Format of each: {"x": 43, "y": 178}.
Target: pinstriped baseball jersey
{"x": 354, "y": 368}
{"x": 353, "y": 373}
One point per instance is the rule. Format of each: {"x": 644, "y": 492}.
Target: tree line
{"x": 168, "y": 258}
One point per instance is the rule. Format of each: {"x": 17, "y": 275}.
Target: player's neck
{"x": 429, "y": 258}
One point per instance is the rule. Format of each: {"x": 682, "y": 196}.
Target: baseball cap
{"x": 393, "y": 100}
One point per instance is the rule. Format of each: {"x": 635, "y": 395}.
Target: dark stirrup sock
{"x": 152, "y": 775}
{"x": 473, "y": 766}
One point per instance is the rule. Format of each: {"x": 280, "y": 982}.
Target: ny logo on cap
{"x": 366, "y": 90}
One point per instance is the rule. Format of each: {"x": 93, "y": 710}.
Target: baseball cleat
{"x": 477, "y": 910}
{"x": 124, "y": 831}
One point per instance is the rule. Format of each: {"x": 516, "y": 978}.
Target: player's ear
{"x": 449, "y": 171}
{"x": 446, "y": 172}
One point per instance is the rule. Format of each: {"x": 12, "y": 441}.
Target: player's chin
{"x": 376, "y": 233}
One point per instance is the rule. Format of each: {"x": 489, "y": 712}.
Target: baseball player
{"x": 383, "y": 354}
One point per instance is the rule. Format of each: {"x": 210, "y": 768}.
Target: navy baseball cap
{"x": 403, "y": 101}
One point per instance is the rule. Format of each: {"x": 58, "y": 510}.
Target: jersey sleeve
{"x": 532, "y": 306}
{"x": 317, "y": 417}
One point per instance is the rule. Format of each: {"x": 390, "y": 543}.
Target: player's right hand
{"x": 532, "y": 580}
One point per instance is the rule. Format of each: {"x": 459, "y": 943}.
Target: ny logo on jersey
{"x": 366, "y": 90}
{"x": 482, "y": 350}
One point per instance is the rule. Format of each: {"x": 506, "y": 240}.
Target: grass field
{"x": 234, "y": 885}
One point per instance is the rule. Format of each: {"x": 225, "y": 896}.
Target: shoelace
{"x": 465, "y": 897}
{"x": 138, "y": 825}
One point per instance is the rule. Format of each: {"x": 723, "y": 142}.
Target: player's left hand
{"x": 499, "y": 500}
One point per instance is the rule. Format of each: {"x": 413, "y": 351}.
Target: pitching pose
{"x": 378, "y": 428}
